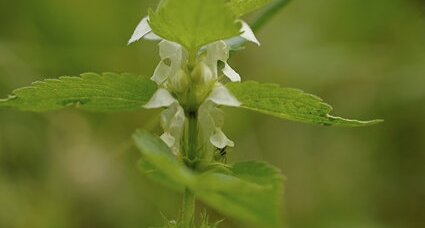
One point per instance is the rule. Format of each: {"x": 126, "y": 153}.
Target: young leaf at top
{"x": 241, "y": 7}
{"x": 291, "y": 104}
{"x": 194, "y": 23}
{"x": 93, "y": 92}
{"x": 251, "y": 192}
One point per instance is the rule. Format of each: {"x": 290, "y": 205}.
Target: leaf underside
{"x": 250, "y": 192}
{"x": 194, "y": 23}
{"x": 241, "y": 7}
{"x": 108, "y": 92}
{"x": 290, "y": 104}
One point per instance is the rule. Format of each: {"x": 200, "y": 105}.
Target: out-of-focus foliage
{"x": 78, "y": 169}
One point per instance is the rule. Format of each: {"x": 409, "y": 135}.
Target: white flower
{"x": 175, "y": 54}
{"x": 219, "y": 51}
{"x": 211, "y": 118}
{"x": 172, "y": 119}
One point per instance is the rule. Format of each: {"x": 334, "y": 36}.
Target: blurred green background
{"x": 78, "y": 169}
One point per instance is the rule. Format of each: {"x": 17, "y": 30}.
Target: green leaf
{"x": 241, "y": 7}
{"x": 194, "y": 23}
{"x": 251, "y": 192}
{"x": 108, "y": 92}
{"x": 156, "y": 175}
{"x": 160, "y": 163}
{"x": 291, "y": 104}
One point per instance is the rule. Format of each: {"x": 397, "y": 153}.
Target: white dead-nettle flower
{"x": 172, "y": 119}
{"x": 171, "y": 78}
{"x": 211, "y": 118}
{"x": 219, "y": 51}
{"x": 171, "y": 75}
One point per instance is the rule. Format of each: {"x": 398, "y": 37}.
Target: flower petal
{"x": 168, "y": 49}
{"x": 206, "y": 118}
{"x": 172, "y": 121}
{"x": 220, "y": 140}
{"x": 217, "y": 51}
{"x": 142, "y": 29}
{"x": 168, "y": 139}
{"x": 161, "y": 98}
{"x": 173, "y": 52}
{"x": 248, "y": 34}
{"x": 230, "y": 73}
{"x": 161, "y": 73}
{"x": 221, "y": 96}
{"x": 152, "y": 36}
{"x": 211, "y": 119}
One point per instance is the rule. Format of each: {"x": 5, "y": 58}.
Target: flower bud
{"x": 202, "y": 74}
{"x": 179, "y": 82}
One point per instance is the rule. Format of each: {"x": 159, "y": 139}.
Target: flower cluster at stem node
{"x": 191, "y": 84}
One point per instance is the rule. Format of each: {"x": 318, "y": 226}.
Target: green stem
{"x": 188, "y": 213}
{"x": 192, "y": 137}
{"x": 191, "y": 141}
{"x": 260, "y": 21}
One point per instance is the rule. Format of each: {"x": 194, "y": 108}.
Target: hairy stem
{"x": 192, "y": 139}
{"x": 188, "y": 213}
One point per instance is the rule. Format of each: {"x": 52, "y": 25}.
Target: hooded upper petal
{"x": 142, "y": 29}
{"x": 217, "y": 51}
{"x": 161, "y": 98}
{"x": 161, "y": 73}
{"x": 248, "y": 34}
{"x": 152, "y": 36}
{"x": 220, "y": 95}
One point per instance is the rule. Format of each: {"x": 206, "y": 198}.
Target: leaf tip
{"x": 341, "y": 122}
